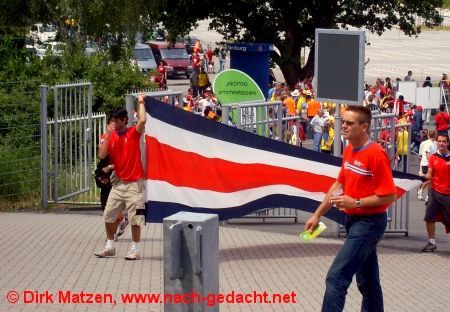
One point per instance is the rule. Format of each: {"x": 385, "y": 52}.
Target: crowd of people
{"x": 383, "y": 97}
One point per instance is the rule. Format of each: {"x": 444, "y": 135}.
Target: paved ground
{"x": 53, "y": 252}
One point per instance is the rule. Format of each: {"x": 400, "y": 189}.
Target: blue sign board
{"x": 252, "y": 59}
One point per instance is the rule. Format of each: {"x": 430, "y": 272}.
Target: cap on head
{"x": 296, "y": 92}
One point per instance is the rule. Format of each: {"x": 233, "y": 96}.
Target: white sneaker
{"x": 105, "y": 253}
{"x": 420, "y": 194}
{"x": 133, "y": 255}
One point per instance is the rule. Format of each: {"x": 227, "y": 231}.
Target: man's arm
{"x": 429, "y": 174}
{"x": 140, "y": 126}
{"x": 103, "y": 145}
{"x": 349, "y": 202}
{"x": 326, "y": 204}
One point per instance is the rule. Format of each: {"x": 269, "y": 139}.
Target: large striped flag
{"x": 199, "y": 165}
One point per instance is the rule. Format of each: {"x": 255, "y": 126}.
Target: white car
{"x": 43, "y": 32}
{"x": 90, "y": 48}
{"x": 53, "y": 48}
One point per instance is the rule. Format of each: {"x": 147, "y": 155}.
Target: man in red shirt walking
{"x": 439, "y": 193}
{"x": 366, "y": 188}
{"x": 123, "y": 146}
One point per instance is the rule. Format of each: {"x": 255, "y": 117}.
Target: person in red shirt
{"x": 442, "y": 120}
{"x": 123, "y": 147}
{"x": 163, "y": 75}
{"x": 439, "y": 193}
{"x": 103, "y": 178}
{"x": 366, "y": 188}
{"x": 209, "y": 57}
{"x": 196, "y": 62}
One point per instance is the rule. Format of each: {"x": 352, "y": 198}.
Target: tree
{"x": 290, "y": 25}
{"x": 21, "y": 13}
{"x": 113, "y": 22}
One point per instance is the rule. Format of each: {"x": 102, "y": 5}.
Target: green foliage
{"x": 20, "y": 77}
{"x": 19, "y": 139}
{"x": 111, "y": 80}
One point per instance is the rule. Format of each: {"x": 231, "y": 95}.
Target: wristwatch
{"x": 358, "y": 203}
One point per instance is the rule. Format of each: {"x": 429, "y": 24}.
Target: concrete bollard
{"x": 191, "y": 262}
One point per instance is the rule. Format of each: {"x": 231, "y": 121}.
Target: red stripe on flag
{"x": 181, "y": 168}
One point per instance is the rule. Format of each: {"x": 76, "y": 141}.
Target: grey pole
{"x": 89, "y": 138}
{"x": 335, "y": 227}
{"x": 337, "y": 130}
{"x": 129, "y": 100}
{"x": 44, "y": 151}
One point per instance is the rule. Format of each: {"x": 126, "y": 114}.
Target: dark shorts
{"x": 438, "y": 203}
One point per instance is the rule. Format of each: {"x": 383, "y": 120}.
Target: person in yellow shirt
{"x": 326, "y": 145}
{"x": 402, "y": 147}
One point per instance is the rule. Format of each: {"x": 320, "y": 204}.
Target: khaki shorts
{"x": 128, "y": 195}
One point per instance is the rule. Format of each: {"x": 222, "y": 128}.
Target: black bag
{"x": 102, "y": 179}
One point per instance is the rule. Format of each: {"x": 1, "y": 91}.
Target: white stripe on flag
{"x": 165, "y": 192}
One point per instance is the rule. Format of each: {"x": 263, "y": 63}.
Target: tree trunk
{"x": 293, "y": 73}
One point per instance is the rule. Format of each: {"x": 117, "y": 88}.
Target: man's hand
{"x": 140, "y": 126}
{"x": 343, "y": 201}
{"x": 110, "y": 127}
{"x": 312, "y": 223}
{"x": 141, "y": 98}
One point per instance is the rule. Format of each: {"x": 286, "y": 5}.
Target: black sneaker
{"x": 429, "y": 247}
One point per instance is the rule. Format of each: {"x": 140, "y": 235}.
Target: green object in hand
{"x": 307, "y": 236}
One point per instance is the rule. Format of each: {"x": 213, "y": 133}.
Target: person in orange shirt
{"x": 312, "y": 109}
{"x": 289, "y": 103}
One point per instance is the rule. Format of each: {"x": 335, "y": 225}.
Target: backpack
{"x": 202, "y": 80}
{"x": 102, "y": 179}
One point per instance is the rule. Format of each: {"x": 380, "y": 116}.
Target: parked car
{"x": 189, "y": 43}
{"x": 90, "y": 47}
{"x": 53, "y": 48}
{"x": 175, "y": 58}
{"x": 43, "y": 32}
{"x": 143, "y": 57}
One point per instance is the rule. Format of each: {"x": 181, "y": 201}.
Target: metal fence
{"x": 92, "y": 197}
{"x": 398, "y": 212}
{"x": 66, "y": 153}
{"x": 267, "y": 119}
{"x": 71, "y": 123}
{"x": 19, "y": 144}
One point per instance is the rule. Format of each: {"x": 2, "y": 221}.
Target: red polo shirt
{"x": 125, "y": 153}
{"x": 440, "y": 164}
{"x": 442, "y": 120}
{"x": 366, "y": 171}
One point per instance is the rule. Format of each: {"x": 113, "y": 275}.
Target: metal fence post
{"x": 44, "y": 151}
{"x": 129, "y": 102}
{"x": 89, "y": 135}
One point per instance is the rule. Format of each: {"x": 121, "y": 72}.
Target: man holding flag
{"x": 123, "y": 146}
{"x": 363, "y": 190}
